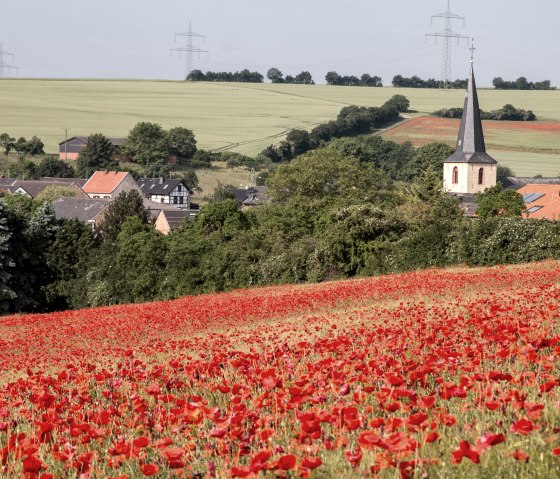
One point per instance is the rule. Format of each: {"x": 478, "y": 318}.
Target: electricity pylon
{"x": 447, "y": 34}
{"x": 4, "y": 65}
{"x": 189, "y": 48}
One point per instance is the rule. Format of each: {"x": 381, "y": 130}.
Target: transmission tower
{"x": 189, "y": 48}
{"x": 447, "y": 34}
{"x": 3, "y": 64}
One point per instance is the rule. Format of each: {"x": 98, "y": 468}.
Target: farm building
{"x": 70, "y": 149}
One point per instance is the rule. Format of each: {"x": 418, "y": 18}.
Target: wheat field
{"x": 224, "y": 116}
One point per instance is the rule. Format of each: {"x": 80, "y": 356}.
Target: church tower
{"x": 470, "y": 169}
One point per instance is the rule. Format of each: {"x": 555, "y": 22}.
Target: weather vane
{"x": 472, "y": 49}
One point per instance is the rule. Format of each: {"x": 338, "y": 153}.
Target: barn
{"x": 70, "y": 149}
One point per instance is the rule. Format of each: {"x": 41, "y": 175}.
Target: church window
{"x": 481, "y": 176}
{"x": 455, "y": 179}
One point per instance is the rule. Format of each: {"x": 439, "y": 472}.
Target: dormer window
{"x": 455, "y": 179}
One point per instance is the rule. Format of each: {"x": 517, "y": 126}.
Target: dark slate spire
{"x": 470, "y": 142}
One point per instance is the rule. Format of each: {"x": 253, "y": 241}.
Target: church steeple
{"x": 470, "y": 141}
{"x": 470, "y": 169}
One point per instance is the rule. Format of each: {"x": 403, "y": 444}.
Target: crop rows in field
{"x": 237, "y": 116}
{"x": 445, "y": 373}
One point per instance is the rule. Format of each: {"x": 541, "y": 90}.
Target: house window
{"x": 481, "y": 176}
{"x": 179, "y": 188}
{"x": 175, "y": 200}
{"x": 180, "y": 200}
{"x": 455, "y": 179}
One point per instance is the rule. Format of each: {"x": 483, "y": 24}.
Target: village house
{"x": 70, "y": 149}
{"x": 87, "y": 210}
{"x": 169, "y": 220}
{"x": 32, "y": 188}
{"x": 108, "y": 184}
{"x": 167, "y": 191}
{"x": 250, "y": 197}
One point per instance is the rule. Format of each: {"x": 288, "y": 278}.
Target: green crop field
{"x": 236, "y": 116}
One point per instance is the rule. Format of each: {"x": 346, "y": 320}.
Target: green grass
{"x": 242, "y": 117}
{"x": 528, "y": 164}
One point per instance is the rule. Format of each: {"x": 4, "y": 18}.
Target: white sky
{"x": 132, "y": 38}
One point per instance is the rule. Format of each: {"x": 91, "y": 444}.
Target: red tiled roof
{"x": 104, "y": 181}
{"x": 549, "y": 202}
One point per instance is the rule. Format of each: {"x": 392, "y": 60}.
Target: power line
{"x": 447, "y": 34}
{"x": 189, "y": 48}
{"x": 3, "y": 64}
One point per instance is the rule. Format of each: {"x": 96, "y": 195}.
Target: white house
{"x": 168, "y": 191}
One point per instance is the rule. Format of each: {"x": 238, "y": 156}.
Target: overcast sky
{"x": 133, "y": 38}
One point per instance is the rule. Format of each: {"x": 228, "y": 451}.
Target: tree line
{"x": 333, "y": 78}
{"x": 417, "y": 82}
{"x": 351, "y": 121}
{"x": 354, "y": 206}
{"x": 506, "y": 113}
{"x": 243, "y": 76}
{"x": 521, "y": 84}
{"x": 21, "y": 146}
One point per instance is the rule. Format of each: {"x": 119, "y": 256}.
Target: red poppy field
{"x": 439, "y": 373}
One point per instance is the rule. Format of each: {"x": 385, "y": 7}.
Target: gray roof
{"x": 84, "y": 140}
{"x": 256, "y": 195}
{"x": 79, "y": 181}
{"x": 83, "y": 209}
{"x": 7, "y": 182}
{"x": 158, "y": 186}
{"x": 251, "y": 196}
{"x": 174, "y": 218}
{"x": 467, "y": 202}
{"x": 34, "y": 187}
{"x": 516, "y": 182}
{"x": 470, "y": 141}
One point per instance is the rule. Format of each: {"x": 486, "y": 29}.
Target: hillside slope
{"x": 449, "y": 373}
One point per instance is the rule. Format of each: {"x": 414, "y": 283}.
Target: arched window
{"x": 455, "y": 179}
{"x": 481, "y": 176}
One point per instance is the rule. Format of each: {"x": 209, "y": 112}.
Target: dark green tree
{"x": 7, "y": 142}
{"x": 275, "y": 75}
{"x": 7, "y": 263}
{"x": 182, "y": 143}
{"x": 146, "y": 143}
{"x": 431, "y": 155}
{"x": 223, "y": 192}
{"x": 139, "y": 262}
{"x": 35, "y": 146}
{"x": 497, "y": 201}
{"x": 299, "y": 141}
{"x": 53, "y": 167}
{"x": 98, "y": 154}
{"x": 304, "y": 77}
{"x": 326, "y": 176}
{"x": 125, "y": 205}
{"x": 68, "y": 259}
{"x": 401, "y": 102}
{"x": 24, "y": 169}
